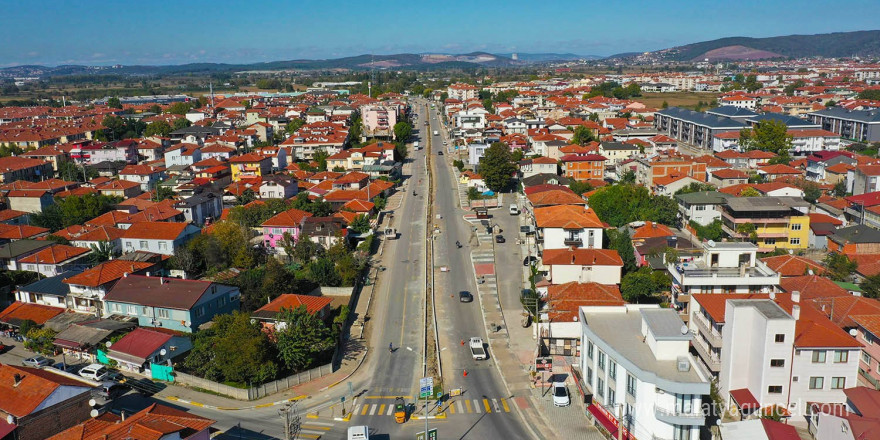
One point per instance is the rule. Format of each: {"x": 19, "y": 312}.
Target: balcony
{"x": 571, "y": 241}
{"x": 712, "y": 335}
{"x": 697, "y": 274}
{"x": 711, "y": 360}
{"x": 677, "y": 417}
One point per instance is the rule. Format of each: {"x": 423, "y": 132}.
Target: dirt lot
{"x": 676, "y": 99}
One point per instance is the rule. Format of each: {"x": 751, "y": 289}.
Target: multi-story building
{"x": 462, "y": 92}
{"x": 564, "y": 226}
{"x": 248, "y": 166}
{"x": 157, "y": 237}
{"x": 635, "y": 362}
{"x": 648, "y": 171}
{"x": 583, "y": 167}
{"x": 19, "y": 168}
{"x": 379, "y": 120}
{"x": 858, "y": 125}
{"x": 727, "y": 267}
{"x": 702, "y": 207}
{"x": 776, "y": 222}
{"x": 693, "y": 127}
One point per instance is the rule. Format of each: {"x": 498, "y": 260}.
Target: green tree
{"x": 234, "y": 349}
{"x": 302, "y": 338}
{"x": 665, "y": 105}
{"x": 179, "y": 108}
{"x": 695, "y": 187}
{"x": 812, "y": 192}
{"x": 7, "y": 150}
{"x": 164, "y": 193}
{"x": 41, "y": 340}
{"x": 871, "y": 286}
{"x": 158, "y": 128}
{"x": 402, "y": 131}
{"x": 580, "y": 187}
{"x": 305, "y": 250}
{"x": 639, "y": 286}
{"x": 839, "y": 189}
{"x": 712, "y": 231}
{"x": 516, "y": 156}
{"x": 839, "y": 267}
{"x": 114, "y": 102}
{"x": 748, "y": 231}
{"x": 458, "y": 164}
{"x": 73, "y": 210}
{"x": 620, "y": 204}
{"x": 768, "y": 135}
{"x": 621, "y": 242}
{"x": 294, "y": 125}
{"x": 360, "y": 224}
{"x": 749, "y": 192}
{"x": 180, "y": 123}
{"x": 321, "y": 156}
{"x": 870, "y": 94}
{"x": 323, "y": 272}
{"x": 628, "y": 177}
{"x": 356, "y": 130}
{"x": 496, "y": 166}
{"x": 582, "y": 135}
{"x": 155, "y": 109}
{"x": 101, "y": 252}
{"x": 790, "y": 89}
{"x": 831, "y": 103}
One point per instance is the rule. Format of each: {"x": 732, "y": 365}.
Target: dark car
{"x": 440, "y": 153}
{"x": 465, "y": 296}
{"x": 3, "y": 348}
{"x": 499, "y": 238}
{"x": 529, "y": 260}
{"x": 110, "y": 390}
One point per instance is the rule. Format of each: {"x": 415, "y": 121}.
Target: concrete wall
{"x": 257, "y": 392}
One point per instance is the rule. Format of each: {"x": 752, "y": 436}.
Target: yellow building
{"x": 248, "y": 166}
{"x": 770, "y": 222}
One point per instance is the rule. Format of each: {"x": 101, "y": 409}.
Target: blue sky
{"x": 182, "y": 31}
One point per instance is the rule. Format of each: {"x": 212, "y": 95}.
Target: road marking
{"x": 312, "y": 436}
{"x": 477, "y": 407}
{"x": 495, "y": 405}
{"x": 372, "y": 410}
{"x": 468, "y": 404}
{"x": 390, "y": 410}
{"x": 504, "y": 404}
{"x": 486, "y": 403}
{"x": 310, "y": 427}
{"x": 381, "y": 409}
{"x": 265, "y": 405}
{"x": 458, "y": 405}
{"x": 320, "y": 424}
{"x": 387, "y": 397}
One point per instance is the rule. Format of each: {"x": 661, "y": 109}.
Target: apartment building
{"x": 702, "y": 207}
{"x": 858, "y": 125}
{"x": 635, "y": 362}
{"x": 583, "y": 167}
{"x": 379, "y": 120}
{"x": 564, "y": 226}
{"x": 727, "y": 267}
{"x": 777, "y": 222}
{"x": 693, "y": 127}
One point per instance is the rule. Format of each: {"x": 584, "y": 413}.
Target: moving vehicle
{"x": 416, "y": 145}
{"x": 465, "y": 296}
{"x": 440, "y": 153}
{"x": 560, "y": 394}
{"x": 499, "y": 238}
{"x": 36, "y": 361}
{"x": 399, "y": 410}
{"x": 359, "y": 432}
{"x": 391, "y": 233}
{"x": 436, "y": 133}
{"x": 514, "y": 210}
{"x": 96, "y": 372}
{"x": 477, "y": 350}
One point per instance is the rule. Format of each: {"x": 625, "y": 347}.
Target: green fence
{"x": 102, "y": 357}
{"x": 162, "y": 372}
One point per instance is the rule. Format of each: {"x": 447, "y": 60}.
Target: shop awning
{"x": 603, "y": 419}
{"x": 745, "y": 400}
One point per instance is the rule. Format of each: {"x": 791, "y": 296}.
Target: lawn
{"x": 676, "y": 99}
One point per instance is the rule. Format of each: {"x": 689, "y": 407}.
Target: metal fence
{"x": 255, "y": 392}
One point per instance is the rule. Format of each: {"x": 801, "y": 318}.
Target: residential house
{"x": 779, "y": 222}
{"x": 701, "y": 207}
{"x": 855, "y": 419}
{"x": 559, "y": 328}
{"x": 728, "y": 177}
{"x": 157, "y": 237}
{"x": 818, "y": 165}
{"x": 155, "y": 421}
{"x": 13, "y": 252}
{"x": 652, "y": 230}
{"x": 579, "y": 265}
{"x": 285, "y": 222}
{"x": 278, "y": 186}
{"x": 616, "y": 152}
{"x": 50, "y": 291}
{"x": 171, "y": 303}
{"x": 758, "y": 429}
{"x": 145, "y": 175}
{"x": 379, "y": 120}
{"x": 777, "y": 171}
{"x": 19, "y": 312}
{"x": 201, "y": 208}
{"x": 583, "y": 167}
{"x": 57, "y": 259}
{"x": 793, "y": 265}
{"x": 653, "y": 377}
{"x": 119, "y": 188}
{"x": 14, "y": 168}
{"x": 538, "y": 165}
{"x": 564, "y": 226}
{"x": 14, "y": 217}
{"x": 858, "y": 125}
{"x": 692, "y": 127}
{"x": 142, "y": 348}
{"x": 30, "y": 200}
{"x": 10, "y": 233}
{"x": 87, "y": 289}
{"x": 864, "y": 179}
{"x": 182, "y": 155}
{"x": 855, "y": 240}
{"x": 37, "y": 403}
{"x": 268, "y": 315}
{"x": 249, "y": 166}
{"x": 325, "y": 231}
{"x": 94, "y": 237}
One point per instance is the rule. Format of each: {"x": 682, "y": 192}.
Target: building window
{"x": 838, "y": 383}
{"x": 610, "y": 396}
{"x": 600, "y": 387}
{"x": 796, "y": 227}
{"x": 780, "y": 337}
{"x": 794, "y": 241}
{"x": 866, "y": 358}
{"x": 198, "y": 312}
{"x": 770, "y": 241}
{"x": 163, "y": 246}
{"x": 777, "y": 362}
{"x": 590, "y": 349}
{"x": 819, "y": 356}
{"x": 816, "y": 383}
{"x": 589, "y": 376}
{"x": 601, "y": 360}
{"x": 700, "y": 208}
{"x": 774, "y": 389}
{"x": 143, "y": 244}
{"x": 612, "y": 369}
{"x": 162, "y": 313}
{"x": 841, "y": 356}
{"x": 630, "y": 385}
{"x": 132, "y": 310}
{"x": 117, "y": 308}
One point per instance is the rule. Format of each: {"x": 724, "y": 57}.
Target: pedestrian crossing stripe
{"x": 382, "y": 408}
{"x": 311, "y": 427}
{"x": 458, "y": 406}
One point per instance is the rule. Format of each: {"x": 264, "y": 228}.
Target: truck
{"x": 436, "y": 133}
{"x": 477, "y": 350}
{"x": 390, "y": 234}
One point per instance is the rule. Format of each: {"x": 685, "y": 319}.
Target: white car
{"x": 560, "y": 394}
{"x": 96, "y": 372}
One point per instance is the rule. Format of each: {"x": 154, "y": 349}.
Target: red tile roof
{"x": 155, "y": 230}
{"x": 566, "y": 216}
{"x": 9, "y": 214}
{"x": 729, "y": 173}
{"x": 292, "y": 301}
{"x": 287, "y": 219}
{"x": 566, "y": 299}
{"x": 581, "y": 257}
{"x": 152, "y": 423}
{"x": 18, "y": 312}
{"x": 812, "y": 286}
{"x": 652, "y": 229}
{"x": 19, "y": 232}
{"x": 107, "y": 272}
{"x": 36, "y": 386}
{"x": 555, "y": 197}
{"x": 793, "y": 265}
{"x": 56, "y": 254}
{"x": 141, "y": 342}
{"x": 745, "y": 399}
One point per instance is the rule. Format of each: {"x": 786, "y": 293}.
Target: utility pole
{"x": 291, "y": 419}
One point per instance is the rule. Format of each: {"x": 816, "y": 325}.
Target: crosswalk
{"x": 450, "y": 408}
{"x": 313, "y": 429}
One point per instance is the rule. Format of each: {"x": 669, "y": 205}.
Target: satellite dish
{"x": 162, "y": 352}
{"x": 93, "y": 413}
{"x": 10, "y": 419}
{"x": 711, "y": 243}
{"x": 92, "y": 402}
{"x": 684, "y": 329}
{"x": 108, "y": 344}
{"x": 810, "y": 272}
{"x": 853, "y": 332}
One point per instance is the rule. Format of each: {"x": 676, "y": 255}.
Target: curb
{"x": 227, "y": 408}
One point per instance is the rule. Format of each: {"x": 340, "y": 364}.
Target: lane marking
{"x": 321, "y": 424}
{"x": 390, "y": 410}
{"x": 451, "y": 409}
{"x": 310, "y": 427}
{"x": 364, "y": 410}
{"x": 459, "y": 406}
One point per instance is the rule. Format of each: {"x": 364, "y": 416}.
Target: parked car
{"x": 3, "y": 348}
{"x": 499, "y": 238}
{"x": 529, "y": 260}
{"x": 440, "y": 153}
{"x": 72, "y": 369}
{"x": 36, "y": 361}
{"x": 560, "y": 394}
{"x": 465, "y": 296}
{"x": 109, "y": 390}
{"x": 96, "y": 372}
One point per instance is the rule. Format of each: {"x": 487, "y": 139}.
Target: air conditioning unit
{"x": 684, "y": 365}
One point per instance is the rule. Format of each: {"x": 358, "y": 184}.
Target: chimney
{"x": 17, "y": 379}
{"x": 796, "y": 312}
{"x": 796, "y": 296}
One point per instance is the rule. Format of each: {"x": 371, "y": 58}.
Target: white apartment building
{"x": 727, "y": 267}
{"x": 636, "y": 363}
{"x": 777, "y": 357}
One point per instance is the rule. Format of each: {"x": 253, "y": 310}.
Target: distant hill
{"x": 834, "y": 45}
{"x": 543, "y": 57}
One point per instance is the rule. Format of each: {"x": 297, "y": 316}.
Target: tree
{"x": 747, "y": 230}
{"x": 695, "y": 187}
{"x": 158, "y": 128}
{"x": 831, "y": 103}
{"x": 114, "y": 102}
{"x": 179, "y": 108}
{"x": 496, "y": 166}
{"x": 664, "y": 105}
{"x": 360, "y": 224}
{"x": 749, "y": 192}
{"x": 356, "y": 131}
{"x": 41, "y": 340}
{"x": 870, "y": 94}
{"x": 302, "y": 338}
{"x": 628, "y": 177}
{"x": 180, "y": 123}
{"x": 790, "y": 89}
{"x": 580, "y": 187}
{"x": 73, "y": 210}
{"x": 321, "y": 156}
{"x": 620, "y": 204}
{"x": 871, "y": 286}
{"x": 839, "y": 267}
{"x": 621, "y": 242}
{"x": 582, "y": 135}
{"x": 812, "y": 192}
{"x": 516, "y": 156}
{"x": 768, "y": 135}
{"x": 305, "y": 250}
{"x": 164, "y": 193}
{"x": 323, "y": 272}
{"x": 235, "y": 349}
{"x": 10, "y": 150}
{"x": 639, "y": 286}
{"x": 294, "y": 125}
{"x": 402, "y": 131}
{"x": 839, "y": 189}
{"x": 101, "y": 252}
{"x": 712, "y": 231}
{"x": 155, "y": 109}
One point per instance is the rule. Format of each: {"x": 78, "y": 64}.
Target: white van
{"x": 513, "y": 209}
{"x": 359, "y": 433}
